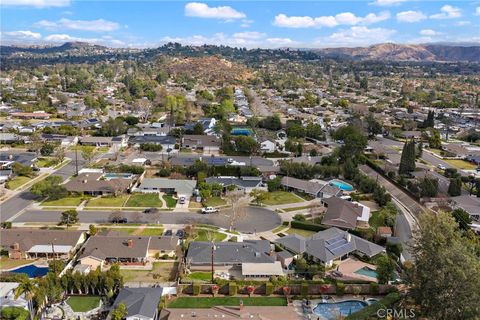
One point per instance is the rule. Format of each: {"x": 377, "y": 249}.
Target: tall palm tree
{"x": 27, "y": 288}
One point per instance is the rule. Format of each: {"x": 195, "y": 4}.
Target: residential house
{"x": 62, "y": 140}
{"x": 9, "y": 138}
{"x": 100, "y": 184}
{"x": 470, "y": 204}
{"x": 179, "y": 187}
{"x": 204, "y": 143}
{"x": 329, "y": 245}
{"x": 141, "y": 303}
{"x": 246, "y": 184}
{"x": 208, "y": 125}
{"x": 167, "y": 142}
{"x": 8, "y": 297}
{"x": 261, "y": 271}
{"x": 315, "y": 189}
{"x": 7, "y": 159}
{"x": 231, "y": 313}
{"x": 97, "y": 141}
{"x": 267, "y": 145}
{"x": 345, "y": 214}
{"x": 31, "y": 115}
{"x": 35, "y": 243}
{"x": 103, "y": 250}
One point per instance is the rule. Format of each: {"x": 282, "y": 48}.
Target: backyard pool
{"x": 110, "y": 176}
{"x": 341, "y": 185}
{"x": 366, "y": 271}
{"x": 332, "y": 311}
{"x": 31, "y": 270}
{"x": 241, "y": 131}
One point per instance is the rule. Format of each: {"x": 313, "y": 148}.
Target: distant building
{"x": 345, "y": 214}
{"x": 141, "y": 303}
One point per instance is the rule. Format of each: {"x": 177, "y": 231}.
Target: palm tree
{"x": 27, "y": 288}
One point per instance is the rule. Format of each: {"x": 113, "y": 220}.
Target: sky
{"x": 250, "y": 24}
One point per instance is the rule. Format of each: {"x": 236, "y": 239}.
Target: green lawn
{"x": 163, "y": 271}
{"x": 198, "y": 276}
{"x": 107, "y": 201}
{"x": 197, "y": 302}
{"x": 281, "y": 197}
{"x": 296, "y": 208}
{"x": 46, "y": 162}
{"x": 171, "y": 203}
{"x": 461, "y": 164}
{"x": 279, "y": 228}
{"x": 144, "y": 200}
{"x": 83, "y": 303}
{"x": 6, "y": 263}
{"x": 300, "y": 232}
{"x": 376, "y": 220}
{"x": 206, "y": 235}
{"x": 151, "y": 232}
{"x": 65, "y": 202}
{"x": 17, "y": 182}
{"x": 214, "y": 202}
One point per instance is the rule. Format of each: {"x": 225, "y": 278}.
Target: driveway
{"x": 253, "y": 220}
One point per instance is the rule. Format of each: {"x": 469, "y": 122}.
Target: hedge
{"x": 374, "y": 288}
{"x": 268, "y": 288}
{"x": 307, "y": 226}
{"x": 232, "y": 288}
{"x": 340, "y": 288}
{"x": 304, "y": 289}
{"x": 196, "y": 289}
{"x": 371, "y": 310}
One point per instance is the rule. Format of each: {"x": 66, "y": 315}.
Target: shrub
{"x": 374, "y": 288}
{"x": 232, "y": 288}
{"x": 340, "y": 288}
{"x": 307, "y": 226}
{"x": 304, "y": 289}
{"x": 196, "y": 289}
{"x": 14, "y": 313}
{"x": 371, "y": 310}
{"x": 268, "y": 288}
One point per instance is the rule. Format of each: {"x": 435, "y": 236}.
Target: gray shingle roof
{"x": 181, "y": 186}
{"x": 139, "y": 301}
{"x": 242, "y": 182}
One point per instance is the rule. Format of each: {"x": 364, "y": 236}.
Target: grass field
{"x": 65, "y": 202}
{"x": 151, "y": 232}
{"x": 376, "y": 220}
{"x": 107, "y": 201}
{"x": 197, "y": 302}
{"x": 461, "y": 164}
{"x": 46, "y": 162}
{"x": 6, "y": 263}
{"x": 83, "y": 303}
{"x": 198, "y": 276}
{"x": 144, "y": 200}
{"x": 281, "y": 197}
{"x": 164, "y": 271}
{"x": 214, "y": 202}
{"x": 296, "y": 208}
{"x": 206, "y": 235}
{"x": 279, "y": 228}
{"x": 171, "y": 203}
{"x": 300, "y": 232}
{"x": 17, "y": 182}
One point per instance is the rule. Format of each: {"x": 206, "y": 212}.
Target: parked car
{"x": 441, "y": 167}
{"x": 182, "y": 200}
{"x": 119, "y": 220}
{"x": 180, "y": 233}
{"x": 168, "y": 233}
{"x": 150, "y": 210}
{"x": 209, "y": 210}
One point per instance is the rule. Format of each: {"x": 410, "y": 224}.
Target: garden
{"x": 83, "y": 303}
{"x": 281, "y": 197}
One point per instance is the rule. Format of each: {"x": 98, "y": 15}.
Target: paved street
{"x": 254, "y": 218}
{"x": 22, "y": 200}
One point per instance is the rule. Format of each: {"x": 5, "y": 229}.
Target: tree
{"x": 373, "y": 126}
{"x": 46, "y": 149}
{"x": 354, "y": 142}
{"x": 420, "y": 149}
{"x": 385, "y": 269}
{"x": 462, "y": 218}
{"x": 49, "y": 187}
{"x": 246, "y": 145}
{"x": 87, "y": 154}
{"x": 59, "y": 154}
{"x": 259, "y": 195}
{"x": 428, "y": 187}
{"x": 92, "y": 230}
{"x": 381, "y": 196}
{"x": 434, "y": 140}
{"x": 21, "y": 170}
{"x": 131, "y": 120}
{"x": 198, "y": 128}
{"x": 429, "y": 122}
{"x": 455, "y": 187}
{"x": 26, "y": 287}
{"x": 407, "y": 159}
{"x": 119, "y": 312}
{"x": 69, "y": 217}
{"x": 443, "y": 281}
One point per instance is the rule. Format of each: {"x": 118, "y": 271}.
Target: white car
{"x": 441, "y": 167}
{"x": 209, "y": 210}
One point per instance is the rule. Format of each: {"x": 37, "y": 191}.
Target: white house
{"x": 268, "y": 145}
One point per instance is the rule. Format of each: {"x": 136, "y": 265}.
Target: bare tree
{"x": 60, "y": 154}
{"x": 238, "y": 202}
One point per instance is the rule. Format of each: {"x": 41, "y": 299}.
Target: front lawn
{"x": 144, "y": 200}
{"x": 198, "y": 276}
{"x": 214, "y": 202}
{"x": 161, "y": 272}
{"x": 46, "y": 162}
{"x": 207, "y": 235}
{"x": 461, "y": 164}
{"x": 171, "y": 203}
{"x": 65, "y": 202}
{"x": 206, "y": 302}
{"x": 107, "y": 201}
{"x": 376, "y": 220}
{"x": 17, "y": 182}
{"x": 151, "y": 232}
{"x": 300, "y": 232}
{"x": 281, "y": 197}
{"x": 83, "y": 303}
{"x": 7, "y": 263}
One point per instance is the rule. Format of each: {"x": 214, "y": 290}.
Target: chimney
{"x": 16, "y": 246}
{"x": 130, "y": 243}
{"x": 10, "y": 156}
{"x": 349, "y": 237}
{"x": 85, "y": 181}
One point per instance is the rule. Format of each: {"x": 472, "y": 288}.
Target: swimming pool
{"x": 31, "y": 270}
{"x": 241, "y": 132}
{"x": 341, "y": 185}
{"x": 366, "y": 271}
{"x": 110, "y": 176}
{"x": 331, "y": 311}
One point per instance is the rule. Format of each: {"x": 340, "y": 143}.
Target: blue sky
{"x": 250, "y": 24}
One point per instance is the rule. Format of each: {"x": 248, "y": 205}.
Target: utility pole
{"x": 213, "y": 250}
{"x": 76, "y": 160}
{"x": 53, "y": 256}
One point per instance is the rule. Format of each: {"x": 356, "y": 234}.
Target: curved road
{"x": 253, "y": 220}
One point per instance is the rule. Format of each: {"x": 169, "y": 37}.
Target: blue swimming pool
{"x": 332, "y": 311}
{"x": 241, "y": 132}
{"x": 110, "y": 176}
{"x": 341, "y": 185}
{"x": 31, "y": 270}
{"x": 366, "y": 271}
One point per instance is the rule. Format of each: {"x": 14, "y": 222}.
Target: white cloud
{"x": 356, "y": 36}
{"x": 99, "y": 25}
{"x": 36, "y": 3}
{"x": 387, "y": 2}
{"x": 202, "y": 10}
{"x": 281, "y": 42}
{"x": 249, "y": 35}
{"x": 22, "y": 34}
{"x": 246, "y": 23}
{"x": 344, "y": 18}
{"x": 429, "y": 32}
{"x": 447, "y": 12}
{"x": 411, "y": 16}
{"x": 477, "y": 11}
{"x": 462, "y": 23}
